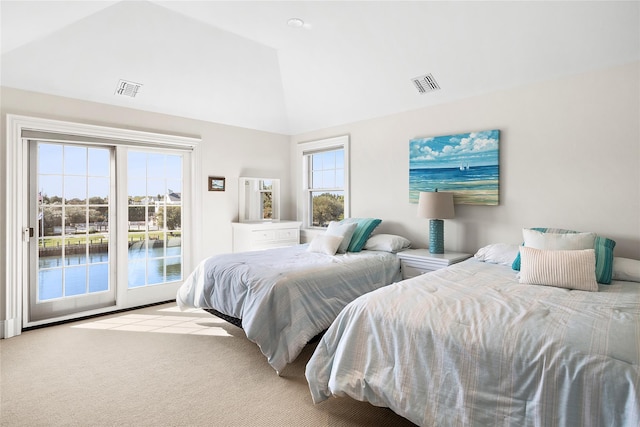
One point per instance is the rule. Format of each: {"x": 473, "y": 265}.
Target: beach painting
{"x": 465, "y": 164}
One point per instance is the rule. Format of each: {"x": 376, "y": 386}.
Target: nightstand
{"x": 415, "y": 262}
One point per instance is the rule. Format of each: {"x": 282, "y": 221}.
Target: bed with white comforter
{"x": 285, "y": 296}
{"x": 470, "y": 346}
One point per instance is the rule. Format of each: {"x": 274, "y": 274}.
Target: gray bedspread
{"x": 285, "y": 296}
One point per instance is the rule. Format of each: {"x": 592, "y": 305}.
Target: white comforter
{"x": 470, "y": 346}
{"x": 285, "y": 296}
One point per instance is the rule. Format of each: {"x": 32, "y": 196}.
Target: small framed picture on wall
{"x": 216, "y": 183}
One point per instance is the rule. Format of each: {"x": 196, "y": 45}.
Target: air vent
{"x": 425, "y": 83}
{"x": 126, "y": 88}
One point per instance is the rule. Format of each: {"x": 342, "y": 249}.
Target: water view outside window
{"x": 154, "y": 191}
{"x": 73, "y": 212}
{"x": 327, "y": 187}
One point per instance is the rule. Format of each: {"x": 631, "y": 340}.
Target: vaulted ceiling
{"x": 239, "y": 63}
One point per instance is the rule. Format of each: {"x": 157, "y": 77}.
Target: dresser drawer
{"x": 250, "y": 236}
{"x": 289, "y": 234}
{"x": 263, "y": 235}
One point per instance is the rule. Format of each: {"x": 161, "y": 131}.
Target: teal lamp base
{"x": 436, "y": 236}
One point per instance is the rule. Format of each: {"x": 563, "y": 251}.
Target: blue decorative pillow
{"x": 604, "y": 254}
{"x": 363, "y": 231}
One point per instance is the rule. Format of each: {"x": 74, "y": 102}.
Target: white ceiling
{"x": 238, "y": 63}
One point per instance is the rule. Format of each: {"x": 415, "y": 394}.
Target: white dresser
{"x": 254, "y": 235}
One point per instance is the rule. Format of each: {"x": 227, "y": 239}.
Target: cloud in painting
{"x": 476, "y": 148}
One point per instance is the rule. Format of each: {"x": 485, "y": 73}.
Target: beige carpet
{"x": 160, "y": 367}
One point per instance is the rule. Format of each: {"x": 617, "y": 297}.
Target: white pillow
{"x": 626, "y": 269}
{"x": 558, "y": 241}
{"x": 571, "y": 269}
{"x": 498, "y": 253}
{"x": 325, "y": 244}
{"x": 344, "y": 230}
{"x": 386, "y": 242}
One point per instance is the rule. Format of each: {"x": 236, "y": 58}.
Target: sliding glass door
{"x": 107, "y": 227}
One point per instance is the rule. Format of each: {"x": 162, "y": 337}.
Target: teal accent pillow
{"x": 604, "y": 254}
{"x": 604, "y": 259}
{"x": 363, "y": 231}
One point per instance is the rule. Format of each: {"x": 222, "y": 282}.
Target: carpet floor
{"x": 158, "y": 366}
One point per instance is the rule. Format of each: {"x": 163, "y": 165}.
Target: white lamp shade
{"x": 435, "y": 205}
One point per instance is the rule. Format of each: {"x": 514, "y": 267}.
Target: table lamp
{"x": 436, "y": 206}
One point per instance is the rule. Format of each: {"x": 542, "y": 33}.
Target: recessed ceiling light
{"x": 295, "y": 22}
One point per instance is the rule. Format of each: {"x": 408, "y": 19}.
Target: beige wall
{"x": 569, "y": 157}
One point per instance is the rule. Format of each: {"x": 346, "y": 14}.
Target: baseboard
{"x": 9, "y": 328}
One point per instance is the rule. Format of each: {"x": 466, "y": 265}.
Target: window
{"x": 325, "y": 178}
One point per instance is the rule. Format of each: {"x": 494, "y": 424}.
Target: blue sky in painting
{"x": 474, "y": 149}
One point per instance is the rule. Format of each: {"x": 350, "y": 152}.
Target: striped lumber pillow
{"x": 571, "y": 269}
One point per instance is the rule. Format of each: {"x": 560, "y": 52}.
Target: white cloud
{"x": 473, "y": 145}
{"x": 485, "y": 144}
{"x": 447, "y": 149}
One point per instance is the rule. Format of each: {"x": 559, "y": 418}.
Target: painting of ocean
{"x": 465, "y": 164}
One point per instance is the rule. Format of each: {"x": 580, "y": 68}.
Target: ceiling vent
{"x": 126, "y": 88}
{"x": 425, "y": 83}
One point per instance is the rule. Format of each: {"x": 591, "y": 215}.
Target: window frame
{"x": 304, "y": 151}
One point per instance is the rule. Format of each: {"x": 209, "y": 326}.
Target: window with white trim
{"x": 325, "y": 181}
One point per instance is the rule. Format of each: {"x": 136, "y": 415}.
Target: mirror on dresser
{"x": 259, "y": 199}
{"x": 259, "y": 225}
